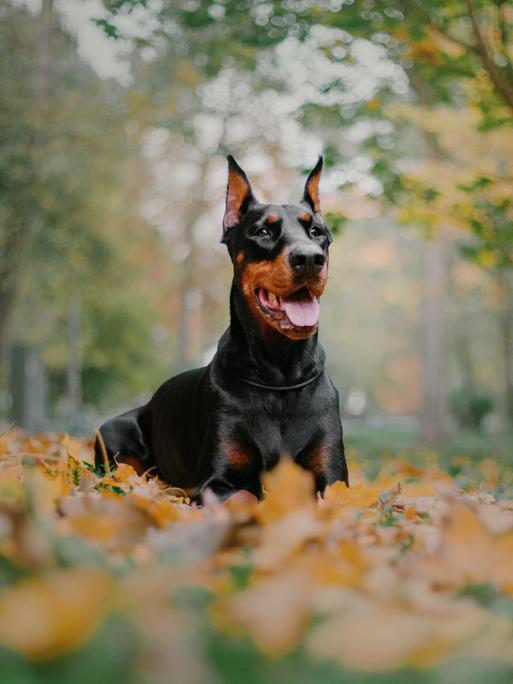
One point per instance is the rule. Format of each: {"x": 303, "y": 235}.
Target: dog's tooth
{"x": 273, "y": 300}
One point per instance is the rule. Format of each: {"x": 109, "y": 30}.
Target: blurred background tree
{"x": 71, "y": 233}
{"x": 113, "y": 192}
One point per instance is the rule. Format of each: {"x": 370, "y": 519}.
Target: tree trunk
{"x": 16, "y": 234}
{"x": 44, "y": 55}
{"x": 74, "y": 375}
{"x": 434, "y": 404}
{"x": 434, "y": 392}
{"x": 9, "y": 258}
{"x": 190, "y": 321}
{"x": 505, "y": 287}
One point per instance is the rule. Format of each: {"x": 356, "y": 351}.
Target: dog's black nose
{"x": 307, "y": 259}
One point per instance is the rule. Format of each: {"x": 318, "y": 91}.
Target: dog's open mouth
{"x": 299, "y": 309}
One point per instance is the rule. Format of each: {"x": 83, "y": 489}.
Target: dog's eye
{"x": 263, "y": 232}
{"x": 315, "y": 232}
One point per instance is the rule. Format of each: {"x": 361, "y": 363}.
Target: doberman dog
{"x": 266, "y": 394}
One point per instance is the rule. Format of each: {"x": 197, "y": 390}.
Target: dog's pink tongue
{"x": 302, "y": 309}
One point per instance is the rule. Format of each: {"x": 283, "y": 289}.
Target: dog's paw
{"x": 242, "y": 498}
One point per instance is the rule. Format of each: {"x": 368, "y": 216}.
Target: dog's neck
{"x": 271, "y": 359}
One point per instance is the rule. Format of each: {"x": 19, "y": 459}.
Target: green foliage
{"x": 68, "y": 171}
{"x": 455, "y": 52}
{"x": 491, "y": 244}
{"x": 470, "y": 408}
{"x": 336, "y": 222}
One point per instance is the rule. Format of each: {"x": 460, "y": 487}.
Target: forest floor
{"x": 407, "y": 576}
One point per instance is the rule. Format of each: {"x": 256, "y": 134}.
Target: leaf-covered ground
{"x": 112, "y": 577}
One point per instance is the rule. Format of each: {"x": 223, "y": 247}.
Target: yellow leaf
{"x": 47, "y": 616}
{"x": 342, "y": 566}
{"x": 96, "y": 526}
{"x": 285, "y": 537}
{"x": 410, "y": 490}
{"x": 161, "y": 513}
{"x": 124, "y": 472}
{"x": 470, "y": 553}
{"x": 372, "y": 636}
{"x": 339, "y": 495}
{"x": 274, "y": 612}
{"x": 288, "y": 487}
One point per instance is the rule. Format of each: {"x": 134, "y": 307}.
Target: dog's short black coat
{"x": 211, "y": 428}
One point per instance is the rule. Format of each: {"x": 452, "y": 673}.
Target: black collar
{"x": 280, "y": 388}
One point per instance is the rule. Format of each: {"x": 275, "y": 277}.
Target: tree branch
{"x": 501, "y": 84}
{"x": 457, "y": 41}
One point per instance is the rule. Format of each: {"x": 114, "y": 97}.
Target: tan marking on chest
{"x": 236, "y": 456}
{"x": 317, "y": 461}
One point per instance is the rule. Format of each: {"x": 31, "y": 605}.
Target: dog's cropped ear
{"x": 311, "y": 193}
{"x": 239, "y": 196}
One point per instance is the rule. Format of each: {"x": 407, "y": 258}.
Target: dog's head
{"x": 279, "y": 253}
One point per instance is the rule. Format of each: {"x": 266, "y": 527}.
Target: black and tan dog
{"x": 266, "y": 394}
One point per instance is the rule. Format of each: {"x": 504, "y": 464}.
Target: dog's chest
{"x": 283, "y": 425}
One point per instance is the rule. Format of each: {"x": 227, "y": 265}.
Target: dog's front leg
{"x": 325, "y": 459}
{"x": 236, "y": 473}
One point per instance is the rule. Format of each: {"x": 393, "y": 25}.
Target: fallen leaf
{"x": 46, "y": 616}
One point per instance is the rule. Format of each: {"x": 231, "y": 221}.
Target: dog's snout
{"x": 307, "y": 259}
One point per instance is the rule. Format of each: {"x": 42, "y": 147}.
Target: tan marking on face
{"x": 272, "y": 218}
{"x": 305, "y": 216}
{"x": 240, "y": 257}
{"x": 237, "y": 458}
{"x": 277, "y": 277}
